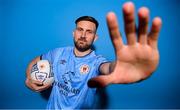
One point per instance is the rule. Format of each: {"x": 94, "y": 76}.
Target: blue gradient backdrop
{"x": 29, "y": 28}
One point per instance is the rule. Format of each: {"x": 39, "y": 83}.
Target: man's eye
{"x": 79, "y": 29}
{"x": 90, "y": 32}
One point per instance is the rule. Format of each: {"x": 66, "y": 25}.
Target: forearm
{"x": 112, "y": 66}
{"x": 107, "y": 68}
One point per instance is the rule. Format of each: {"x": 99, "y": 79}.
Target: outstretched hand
{"x": 140, "y": 57}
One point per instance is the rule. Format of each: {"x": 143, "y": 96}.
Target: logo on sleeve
{"x": 84, "y": 69}
{"x": 62, "y": 61}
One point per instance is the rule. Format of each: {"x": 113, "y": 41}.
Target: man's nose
{"x": 83, "y": 34}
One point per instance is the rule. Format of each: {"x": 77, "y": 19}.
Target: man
{"x": 76, "y": 68}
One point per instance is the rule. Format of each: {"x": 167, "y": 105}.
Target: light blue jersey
{"x": 71, "y": 73}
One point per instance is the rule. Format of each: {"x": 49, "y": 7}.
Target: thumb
{"x": 100, "y": 81}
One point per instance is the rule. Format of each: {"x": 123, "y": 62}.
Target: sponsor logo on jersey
{"x": 84, "y": 69}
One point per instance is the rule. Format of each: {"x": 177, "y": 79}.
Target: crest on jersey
{"x": 84, "y": 69}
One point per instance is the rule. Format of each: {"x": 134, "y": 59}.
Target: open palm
{"x": 139, "y": 58}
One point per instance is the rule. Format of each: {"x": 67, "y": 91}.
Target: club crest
{"x": 84, "y": 69}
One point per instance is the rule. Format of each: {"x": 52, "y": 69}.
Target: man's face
{"x": 84, "y": 35}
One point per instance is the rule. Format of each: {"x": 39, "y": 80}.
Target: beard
{"x": 82, "y": 45}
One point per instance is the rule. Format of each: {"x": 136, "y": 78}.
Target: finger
{"x": 28, "y": 83}
{"x": 38, "y": 88}
{"x": 38, "y": 83}
{"x": 143, "y": 25}
{"x": 44, "y": 87}
{"x": 154, "y": 33}
{"x": 100, "y": 81}
{"x": 34, "y": 87}
{"x": 130, "y": 28}
{"x": 114, "y": 31}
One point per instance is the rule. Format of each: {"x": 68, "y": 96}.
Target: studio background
{"x": 29, "y": 28}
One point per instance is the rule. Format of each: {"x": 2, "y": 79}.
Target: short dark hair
{"x": 87, "y": 18}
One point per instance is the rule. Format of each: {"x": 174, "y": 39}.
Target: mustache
{"x": 82, "y": 39}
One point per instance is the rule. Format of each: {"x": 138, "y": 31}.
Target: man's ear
{"x": 96, "y": 37}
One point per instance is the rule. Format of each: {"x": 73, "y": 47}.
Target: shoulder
{"x": 99, "y": 56}
{"x": 61, "y": 49}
